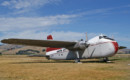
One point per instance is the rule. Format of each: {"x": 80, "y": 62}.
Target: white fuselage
{"x": 98, "y": 48}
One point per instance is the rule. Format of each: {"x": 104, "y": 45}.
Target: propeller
{"x": 86, "y": 42}
{"x": 86, "y": 37}
{"x": 82, "y": 44}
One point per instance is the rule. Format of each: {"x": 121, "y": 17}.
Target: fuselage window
{"x": 100, "y": 37}
{"x": 59, "y": 51}
{"x": 105, "y": 37}
{"x": 108, "y": 38}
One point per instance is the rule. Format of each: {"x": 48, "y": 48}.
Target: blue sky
{"x": 65, "y": 19}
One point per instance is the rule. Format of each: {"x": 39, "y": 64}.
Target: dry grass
{"x": 14, "y": 67}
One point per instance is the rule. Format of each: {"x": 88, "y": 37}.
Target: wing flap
{"x": 40, "y": 43}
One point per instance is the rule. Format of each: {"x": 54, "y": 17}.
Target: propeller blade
{"x": 86, "y": 37}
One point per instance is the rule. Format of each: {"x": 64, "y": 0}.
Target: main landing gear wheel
{"x": 77, "y": 60}
{"x": 106, "y": 59}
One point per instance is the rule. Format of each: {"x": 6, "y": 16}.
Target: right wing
{"x": 40, "y": 43}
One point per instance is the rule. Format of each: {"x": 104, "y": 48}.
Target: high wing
{"x": 40, "y": 43}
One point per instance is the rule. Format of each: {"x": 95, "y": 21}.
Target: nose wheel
{"x": 106, "y": 59}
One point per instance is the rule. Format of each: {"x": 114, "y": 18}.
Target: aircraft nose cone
{"x": 115, "y": 44}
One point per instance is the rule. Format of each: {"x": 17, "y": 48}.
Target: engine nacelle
{"x": 81, "y": 45}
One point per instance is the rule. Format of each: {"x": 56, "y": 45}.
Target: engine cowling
{"x": 81, "y": 45}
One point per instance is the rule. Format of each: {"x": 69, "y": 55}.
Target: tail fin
{"x": 49, "y": 37}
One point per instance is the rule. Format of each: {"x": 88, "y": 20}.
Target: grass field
{"x": 14, "y": 67}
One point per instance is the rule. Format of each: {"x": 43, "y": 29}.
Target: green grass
{"x": 21, "y": 67}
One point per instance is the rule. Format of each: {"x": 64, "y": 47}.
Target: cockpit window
{"x": 105, "y": 37}
{"x": 100, "y": 37}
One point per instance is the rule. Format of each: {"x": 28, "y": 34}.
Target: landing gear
{"x": 106, "y": 59}
{"x": 48, "y": 57}
{"x": 77, "y": 60}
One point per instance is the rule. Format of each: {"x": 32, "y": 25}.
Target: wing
{"x": 40, "y": 43}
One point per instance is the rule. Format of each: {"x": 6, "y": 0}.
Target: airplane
{"x": 98, "y": 47}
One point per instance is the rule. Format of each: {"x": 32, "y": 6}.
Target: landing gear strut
{"x": 77, "y": 60}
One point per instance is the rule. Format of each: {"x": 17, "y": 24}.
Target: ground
{"x": 15, "y": 67}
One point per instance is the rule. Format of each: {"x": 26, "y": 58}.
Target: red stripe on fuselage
{"x": 49, "y": 37}
{"x": 51, "y": 49}
{"x": 115, "y": 44}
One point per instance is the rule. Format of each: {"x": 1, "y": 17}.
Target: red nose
{"x": 115, "y": 44}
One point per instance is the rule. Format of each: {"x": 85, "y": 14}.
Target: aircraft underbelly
{"x": 107, "y": 49}
{"x": 92, "y": 51}
{"x": 95, "y": 51}
{"x": 98, "y": 51}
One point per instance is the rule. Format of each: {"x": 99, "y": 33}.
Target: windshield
{"x": 105, "y": 37}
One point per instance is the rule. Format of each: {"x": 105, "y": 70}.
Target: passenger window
{"x": 59, "y": 51}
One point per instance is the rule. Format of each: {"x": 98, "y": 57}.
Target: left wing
{"x": 41, "y": 43}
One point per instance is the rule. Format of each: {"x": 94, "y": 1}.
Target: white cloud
{"x": 20, "y": 4}
{"x": 24, "y": 23}
{"x": 57, "y": 35}
{"x": 61, "y": 35}
{"x": 6, "y": 3}
{"x": 27, "y": 5}
{"x": 123, "y": 39}
{"x": 103, "y": 11}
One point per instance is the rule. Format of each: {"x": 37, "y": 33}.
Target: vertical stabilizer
{"x": 49, "y": 37}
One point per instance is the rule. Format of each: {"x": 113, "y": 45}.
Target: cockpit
{"x": 105, "y": 37}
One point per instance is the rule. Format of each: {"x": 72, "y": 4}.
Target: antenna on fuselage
{"x": 112, "y": 36}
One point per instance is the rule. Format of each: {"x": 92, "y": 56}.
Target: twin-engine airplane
{"x": 98, "y": 47}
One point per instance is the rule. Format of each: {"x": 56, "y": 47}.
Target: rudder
{"x": 49, "y": 37}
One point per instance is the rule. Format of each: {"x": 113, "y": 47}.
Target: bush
{"x": 0, "y": 53}
{"x": 27, "y": 52}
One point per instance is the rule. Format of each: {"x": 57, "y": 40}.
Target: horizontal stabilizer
{"x": 122, "y": 47}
